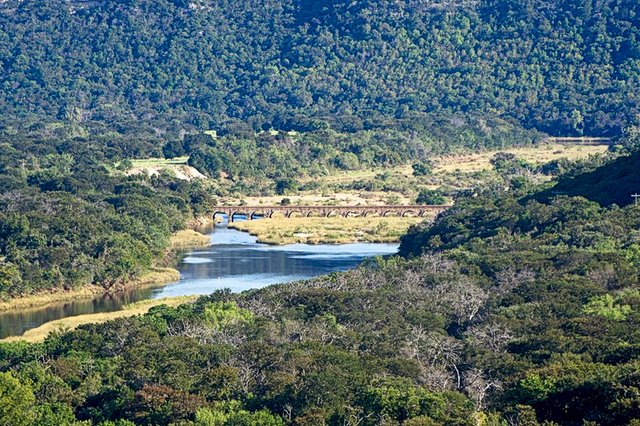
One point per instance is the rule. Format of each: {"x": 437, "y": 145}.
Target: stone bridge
{"x": 581, "y": 140}
{"x": 253, "y": 212}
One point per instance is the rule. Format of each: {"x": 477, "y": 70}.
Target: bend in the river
{"x": 234, "y": 261}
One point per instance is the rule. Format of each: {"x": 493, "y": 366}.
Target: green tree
{"x": 284, "y": 186}
{"x": 16, "y": 402}
{"x": 430, "y": 197}
{"x": 423, "y": 168}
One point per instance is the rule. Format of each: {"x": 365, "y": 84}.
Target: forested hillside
{"x": 563, "y": 67}
{"x": 67, "y": 221}
{"x": 520, "y": 305}
{"x": 507, "y": 311}
{"x": 612, "y": 183}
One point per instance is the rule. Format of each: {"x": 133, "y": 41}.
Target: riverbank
{"x": 38, "y": 334}
{"x": 156, "y": 276}
{"x": 180, "y": 240}
{"x": 188, "y": 238}
{"x": 327, "y": 230}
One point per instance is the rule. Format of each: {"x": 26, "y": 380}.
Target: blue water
{"x": 234, "y": 261}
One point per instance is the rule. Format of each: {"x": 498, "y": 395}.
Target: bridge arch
{"x": 235, "y": 214}
{"x": 391, "y": 213}
{"x": 220, "y": 216}
{"x": 277, "y": 214}
{"x": 232, "y": 213}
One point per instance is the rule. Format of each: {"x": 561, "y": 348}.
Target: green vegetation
{"x": 312, "y": 163}
{"x": 143, "y": 67}
{"x": 153, "y": 277}
{"x": 518, "y": 306}
{"x": 66, "y": 221}
{"x": 40, "y": 333}
{"x": 603, "y": 183}
{"x": 510, "y": 306}
{"x": 70, "y": 216}
{"x": 270, "y": 162}
{"x": 430, "y": 196}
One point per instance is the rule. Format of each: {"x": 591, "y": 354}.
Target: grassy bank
{"x": 38, "y": 334}
{"x": 152, "y": 277}
{"x": 332, "y": 230}
{"x": 188, "y": 238}
{"x": 156, "y": 276}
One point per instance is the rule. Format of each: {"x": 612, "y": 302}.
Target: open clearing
{"x": 364, "y": 198}
{"x": 476, "y": 162}
{"x": 154, "y": 166}
{"x": 538, "y": 154}
{"x": 397, "y": 185}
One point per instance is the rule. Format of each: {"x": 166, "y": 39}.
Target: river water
{"x": 234, "y": 260}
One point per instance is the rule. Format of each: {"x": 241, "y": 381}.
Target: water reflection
{"x": 16, "y": 323}
{"x": 234, "y": 261}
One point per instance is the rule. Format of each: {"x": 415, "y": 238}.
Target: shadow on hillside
{"x": 612, "y": 183}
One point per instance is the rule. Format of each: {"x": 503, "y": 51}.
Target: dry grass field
{"x": 176, "y": 166}
{"x": 459, "y": 171}
{"x": 538, "y": 154}
{"x": 331, "y": 230}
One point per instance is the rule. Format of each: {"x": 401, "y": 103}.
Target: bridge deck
{"x": 579, "y": 140}
{"x": 324, "y": 211}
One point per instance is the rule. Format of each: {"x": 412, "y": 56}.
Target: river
{"x": 234, "y": 260}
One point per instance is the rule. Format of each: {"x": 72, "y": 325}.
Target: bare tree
{"x": 478, "y": 385}
{"x": 510, "y": 278}
{"x": 605, "y": 277}
{"x": 491, "y": 336}
{"x": 436, "y": 264}
{"x": 459, "y": 296}
{"x": 438, "y": 355}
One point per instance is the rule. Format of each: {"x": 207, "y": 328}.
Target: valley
{"x": 319, "y": 213}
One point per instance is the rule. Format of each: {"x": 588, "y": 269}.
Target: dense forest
{"x": 152, "y": 66}
{"x": 514, "y": 308}
{"x": 66, "y": 220}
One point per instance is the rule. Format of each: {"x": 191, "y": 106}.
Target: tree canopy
{"x": 562, "y": 67}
